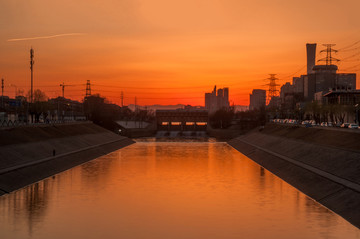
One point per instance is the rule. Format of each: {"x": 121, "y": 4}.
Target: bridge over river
{"x": 182, "y": 120}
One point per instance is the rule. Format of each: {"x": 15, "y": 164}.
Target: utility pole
{"x": 272, "y": 87}
{"x": 88, "y": 89}
{"x": 329, "y": 50}
{"x": 122, "y": 99}
{"x": 2, "y": 92}
{"x": 135, "y": 110}
{"x": 32, "y": 73}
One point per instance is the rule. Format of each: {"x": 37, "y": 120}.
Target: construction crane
{"x": 63, "y": 88}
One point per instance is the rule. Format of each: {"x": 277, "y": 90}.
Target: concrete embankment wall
{"x": 326, "y": 170}
{"x": 223, "y": 134}
{"x": 26, "y": 154}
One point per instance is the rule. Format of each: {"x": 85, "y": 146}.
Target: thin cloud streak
{"x": 47, "y": 37}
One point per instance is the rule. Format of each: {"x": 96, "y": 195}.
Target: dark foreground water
{"x": 167, "y": 190}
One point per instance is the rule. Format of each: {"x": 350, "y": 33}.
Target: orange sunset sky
{"x": 169, "y": 51}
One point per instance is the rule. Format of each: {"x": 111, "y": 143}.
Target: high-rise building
{"x": 286, "y": 89}
{"x": 346, "y": 81}
{"x": 311, "y": 56}
{"x": 324, "y": 78}
{"x": 220, "y": 98}
{"x": 298, "y": 83}
{"x": 217, "y": 99}
{"x": 287, "y": 94}
{"x": 226, "y": 97}
{"x": 257, "y": 99}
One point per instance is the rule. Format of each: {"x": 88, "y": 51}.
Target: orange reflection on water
{"x": 168, "y": 190}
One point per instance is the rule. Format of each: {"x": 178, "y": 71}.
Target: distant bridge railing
{"x": 182, "y": 120}
{"x": 19, "y": 123}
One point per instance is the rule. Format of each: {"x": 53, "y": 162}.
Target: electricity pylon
{"x": 273, "y": 91}
{"x": 329, "y": 50}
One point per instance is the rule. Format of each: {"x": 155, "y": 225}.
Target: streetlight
{"x": 357, "y": 113}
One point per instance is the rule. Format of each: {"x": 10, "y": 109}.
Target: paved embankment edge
{"x": 340, "y": 195}
{"x": 19, "y": 176}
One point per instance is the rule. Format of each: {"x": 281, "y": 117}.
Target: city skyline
{"x": 130, "y": 47}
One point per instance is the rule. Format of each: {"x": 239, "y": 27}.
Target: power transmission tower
{"x": 88, "y": 89}
{"x": 31, "y": 68}
{"x": 63, "y": 89}
{"x": 329, "y": 59}
{"x": 122, "y": 99}
{"x": 272, "y": 87}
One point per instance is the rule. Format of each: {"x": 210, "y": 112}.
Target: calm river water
{"x": 167, "y": 190}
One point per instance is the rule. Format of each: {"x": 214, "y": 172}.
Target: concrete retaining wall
{"x": 329, "y": 175}
{"x": 30, "y": 161}
{"x": 223, "y": 134}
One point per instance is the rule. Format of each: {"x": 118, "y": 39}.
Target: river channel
{"x": 167, "y": 190}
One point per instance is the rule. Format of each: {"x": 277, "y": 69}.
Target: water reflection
{"x": 167, "y": 190}
{"x": 29, "y": 204}
{"x": 262, "y": 172}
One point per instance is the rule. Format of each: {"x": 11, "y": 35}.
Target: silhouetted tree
{"x": 39, "y": 106}
{"x": 314, "y": 109}
{"x": 222, "y": 118}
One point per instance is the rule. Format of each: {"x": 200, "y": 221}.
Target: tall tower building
{"x": 257, "y": 99}
{"x": 226, "y": 97}
{"x": 217, "y": 99}
{"x": 311, "y": 55}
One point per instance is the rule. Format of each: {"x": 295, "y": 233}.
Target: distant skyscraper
{"x": 217, "y": 99}
{"x": 226, "y": 97}
{"x": 257, "y": 99}
{"x": 298, "y": 83}
{"x": 311, "y": 55}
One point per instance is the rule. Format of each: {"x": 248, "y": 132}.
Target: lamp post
{"x": 357, "y": 113}
{"x": 2, "y": 92}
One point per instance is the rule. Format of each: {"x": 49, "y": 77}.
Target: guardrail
{"x": 19, "y": 123}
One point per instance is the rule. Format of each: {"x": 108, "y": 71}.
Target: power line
{"x": 296, "y": 72}
{"x": 152, "y": 88}
{"x": 351, "y": 49}
{"x": 351, "y": 45}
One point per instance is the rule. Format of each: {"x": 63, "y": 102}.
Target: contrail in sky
{"x": 46, "y": 37}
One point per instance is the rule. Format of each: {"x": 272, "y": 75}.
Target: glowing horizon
{"x": 169, "y": 53}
